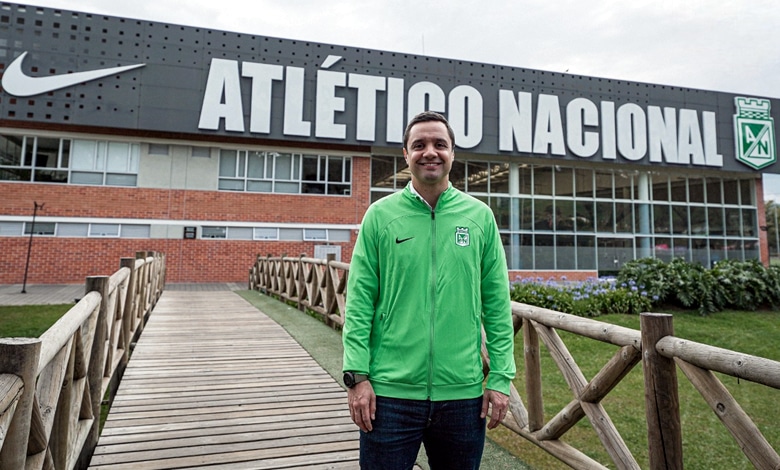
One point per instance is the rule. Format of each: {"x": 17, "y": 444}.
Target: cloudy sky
{"x": 722, "y": 45}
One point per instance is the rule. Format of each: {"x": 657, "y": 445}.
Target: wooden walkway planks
{"x": 215, "y": 383}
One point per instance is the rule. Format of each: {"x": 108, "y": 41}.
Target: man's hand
{"x": 362, "y": 405}
{"x": 499, "y": 402}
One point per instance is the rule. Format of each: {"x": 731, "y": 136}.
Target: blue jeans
{"x": 452, "y": 432}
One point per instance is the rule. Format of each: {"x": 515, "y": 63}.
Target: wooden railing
{"x": 320, "y": 286}
{"x": 51, "y": 387}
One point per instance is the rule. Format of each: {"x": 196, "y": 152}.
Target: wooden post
{"x": 97, "y": 362}
{"x": 127, "y": 313}
{"x": 533, "y": 376}
{"x": 19, "y": 356}
{"x": 662, "y": 404}
{"x": 330, "y": 290}
{"x": 301, "y": 285}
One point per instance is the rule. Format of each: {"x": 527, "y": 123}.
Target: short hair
{"x": 427, "y": 116}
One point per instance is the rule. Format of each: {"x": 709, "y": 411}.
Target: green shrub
{"x": 586, "y": 299}
{"x": 730, "y": 284}
{"x": 646, "y": 283}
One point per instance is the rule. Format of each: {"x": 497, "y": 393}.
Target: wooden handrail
{"x": 320, "y": 286}
{"x": 51, "y": 387}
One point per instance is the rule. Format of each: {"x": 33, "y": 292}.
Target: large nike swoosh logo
{"x": 17, "y": 83}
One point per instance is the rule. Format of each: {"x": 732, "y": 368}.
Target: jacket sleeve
{"x": 362, "y": 293}
{"x": 497, "y": 311}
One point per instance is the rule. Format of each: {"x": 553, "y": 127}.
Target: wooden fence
{"x": 51, "y": 387}
{"x": 320, "y": 286}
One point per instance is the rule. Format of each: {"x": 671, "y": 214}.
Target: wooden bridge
{"x": 213, "y": 382}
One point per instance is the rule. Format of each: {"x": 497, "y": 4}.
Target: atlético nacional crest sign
{"x": 462, "y": 236}
{"x": 754, "y": 133}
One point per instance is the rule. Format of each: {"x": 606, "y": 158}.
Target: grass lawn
{"x": 706, "y": 442}
{"x": 29, "y": 321}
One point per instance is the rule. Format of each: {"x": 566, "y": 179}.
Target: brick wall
{"x": 69, "y": 260}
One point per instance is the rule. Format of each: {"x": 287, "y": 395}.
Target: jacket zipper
{"x": 433, "y": 302}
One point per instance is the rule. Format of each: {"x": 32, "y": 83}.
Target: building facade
{"x": 214, "y": 147}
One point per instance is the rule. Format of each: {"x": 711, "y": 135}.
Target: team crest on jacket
{"x": 462, "y": 236}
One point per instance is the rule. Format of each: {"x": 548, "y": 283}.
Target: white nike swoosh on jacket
{"x": 16, "y": 82}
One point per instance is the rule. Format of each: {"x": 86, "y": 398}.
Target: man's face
{"x": 429, "y": 154}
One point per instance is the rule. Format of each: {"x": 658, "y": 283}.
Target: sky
{"x": 722, "y": 45}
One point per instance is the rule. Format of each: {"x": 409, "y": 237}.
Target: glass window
{"x": 315, "y": 234}
{"x": 120, "y": 180}
{"x": 47, "y": 153}
{"x": 499, "y": 178}
{"x": 526, "y": 211}
{"x": 213, "y": 232}
{"x": 679, "y": 189}
{"x": 715, "y": 221}
{"x": 583, "y": 183}
{"x": 696, "y": 190}
{"x": 240, "y": 233}
{"x": 604, "y": 184}
{"x": 11, "y": 150}
{"x": 565, "y": 252}
{"x": 110, "y": 163}
{"x": 564, "y": 181}
{"x": 11, "y": 229}
{"x": 65, "y": 229}
{"x": 733, "y": 222}
{"x": 284, "y": 169}
{"x": 78, "y": 177}
{"x": 543, "y": 180}
{"x": 586, "y": 252}
{"x": 525, "y": 173}
{"x": 257, "y": 165}
{"x": 698, "y": 220}
{"x": 623, "y": 217}
{"x": 680, "y": 219}
{"x": 103, "y": 230}
{"x": 749, "y": 223}
{"x": 731, "y": 191}
{"x": 40, "y": 228}
{"x": 585, "y": 215}
{"x": 747, "y": 192}
{"x": 714, "y": 192}
{"x": 478, "y": 175}
{"x": 564, "y": 216}
{"x": 661, "y": 220}
{"x": 135, "y": 231}
{"x": 660, "y": 187}
{"x": 605, "y": 216}
{"x": 228, "y": 163}
{"x": 260, "y": 233}
{"x": 458, "y": 174}
{"x": 624, "y": 184}
{"x": 502, "y": 210}
{"x": 383, "y": 172}
{"x": 84, "y": 155}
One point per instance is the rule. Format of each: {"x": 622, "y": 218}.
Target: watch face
{"x": 349, "y": 380}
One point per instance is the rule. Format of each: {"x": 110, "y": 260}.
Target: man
{"x": 428, "y": 271}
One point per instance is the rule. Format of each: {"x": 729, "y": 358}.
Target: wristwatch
{"x": 351, "y": 379}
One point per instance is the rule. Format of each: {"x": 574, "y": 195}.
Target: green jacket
{"x": 421, "y": 284}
